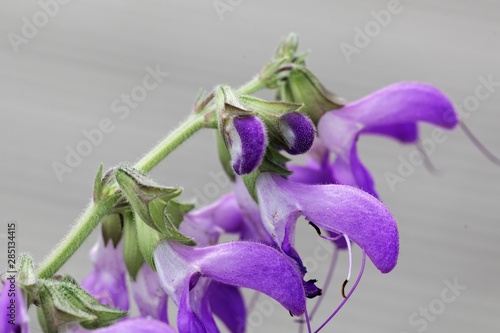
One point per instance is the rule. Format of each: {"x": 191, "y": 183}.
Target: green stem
{"x": 252, "y": 86}
{"x": 77, "y": 235}
{"x": 95, "y": 212}
{"x": 171, "y": 142}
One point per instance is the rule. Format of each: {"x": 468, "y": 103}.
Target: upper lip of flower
{"x": 244, "y": 264}
{"x": 338, "y": 208}
{"x": 392, "y": 111}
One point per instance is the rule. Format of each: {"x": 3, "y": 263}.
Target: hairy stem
{"x": 95, "y": 212}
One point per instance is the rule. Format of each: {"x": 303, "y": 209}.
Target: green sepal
{"x": 63, "y": 301}
{"x": 287, "y": 48}
{"x": 270, "y": 113}
{"x": 250, "y": 181}
{"x": 228, "y": 106}
{"x": 270, "y": 73}
{"x": 44, "y": 324}
{"x": 285, "y": 56}
{"x": 98, "y": 185}
{"x": 301, "y": 86}
{"x": 102, "y": 188}
{"x": 164, "y": 214}
{"x": 144, "y": 195}
{"x": 225, "y": 157}
{"x": 131, "y": 252}
{"x": 149, "y": 238}
{"x": 112, "y": 229}
{"x": 26, "y": 275}
{"x": 273, "y": 162}
{"x": 175, "y": 211}
{"x": 270, "y": 108}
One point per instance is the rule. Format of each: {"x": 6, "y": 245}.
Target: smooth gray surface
{"x": 65, "y": 79}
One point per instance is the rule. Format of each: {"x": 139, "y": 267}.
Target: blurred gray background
{"x": 63, "y": 77}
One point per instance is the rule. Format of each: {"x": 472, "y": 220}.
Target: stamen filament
{"x": 348, "y": 295}
{"x": 253, "y": 301}
{"x": 308, "y": 322}
{"x": 475, "y": 141}
{"x": 429, "y": 166}
{"x": 329, "y": 276}
{"x": 332, "y": 238}
{"x": 350, "y": 256}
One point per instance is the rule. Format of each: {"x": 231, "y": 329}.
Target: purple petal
{"x": 149, "y": 295}
{"x": 392, "y": 111}
{"x": 248, "y": 144}
{"x": 405, "y": 133}
{"x": 205, "y": 225}
{"x": 298, "y": 131}
{"x": 194, "y": 314}
{"x": 352, "y": 172}
{"x": 339, "y": 242}
{"x": 131, "y": 325}
{"x": 107, "y": 281}
{"x": 253, "y": 229}
{"x": 313, "y": 173}
{"x": 13, "y": 307}
{"x": 228, "y": 304}
{"x": 243, "y": 264}
{"x": 337, "y": 208}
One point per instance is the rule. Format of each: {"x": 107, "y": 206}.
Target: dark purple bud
{"x": 298, "y": 132}
{"x": 310, "y": 289}
{"x": 247, "y": 140}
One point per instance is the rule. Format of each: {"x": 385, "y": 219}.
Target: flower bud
{"x": 243, "y": 133}
{"x": 247, "y": 143}
{"x": 298, "y": 132}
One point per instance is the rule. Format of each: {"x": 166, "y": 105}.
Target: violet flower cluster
{"x": 334, "y": 192}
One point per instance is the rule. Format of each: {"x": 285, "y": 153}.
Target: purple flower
{"x": 205, "y": 225}
{"x": 107, "y": 281}
{"x": 227, "y": 303}
{"x": 14, "y": 315}
{"x": 131, "y": 325}
{"x": 317, "y": 169}
{"x": 298, "y": 131}
{"x": 246, "y": 136}
{"x": 336, "y": 208}
{"x": 149, "y": 295}
{"x": 233, "y": 213}
{"x": 186, "y": 274}
{"x": 392, "y": 111}
{"x": 253, "y": 228}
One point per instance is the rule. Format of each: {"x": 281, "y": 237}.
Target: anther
{"x": 318, "y": 230}
{"x": 343, "y": 288}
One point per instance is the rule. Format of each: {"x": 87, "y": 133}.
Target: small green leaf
{"x": 26, "y": 276}
{"x": 98, "y": 185}
{"x": 304, "y": 87}
{"x": 225, "y": 157}
{"x": 250, "y": 180}
{"x": 273, "y": 162}
{"x": 142, "y": 193}
{"x": 148, "y": 239}
{"x": 131, "y": 251}
{"x": 63, "y": 301}
{"x": 271, "y": 108}
{"x": 112, "y": 227}
{"x": 175, "y": 211}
